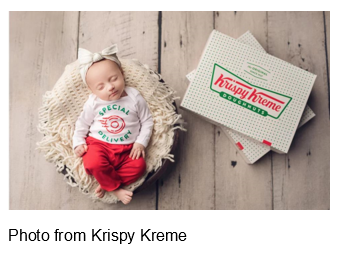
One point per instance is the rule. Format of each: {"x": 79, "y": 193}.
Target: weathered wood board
{"x": 191, "y": 184}
{"x": 301, "y": 177}
{"x": 41, "y": 44}
{"x": 327, "y": 28}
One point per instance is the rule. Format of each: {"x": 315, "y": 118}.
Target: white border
{"x": 209, "y": 232}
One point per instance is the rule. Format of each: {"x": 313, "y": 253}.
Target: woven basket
{"x": 63, "y": 104}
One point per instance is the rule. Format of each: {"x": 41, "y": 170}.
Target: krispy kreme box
{"x": 250, "y": 149}
{"x": 249, "y": 91}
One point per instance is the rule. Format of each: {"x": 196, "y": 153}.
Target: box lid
{"x": 249, "y": 91}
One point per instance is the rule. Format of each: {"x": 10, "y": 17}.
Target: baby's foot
{"x": 99, "y": 191}
{"x": 124, "y": 195}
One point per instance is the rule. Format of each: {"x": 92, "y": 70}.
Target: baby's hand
{"x": 137, "y": 150}
{"x": 80, "y": 150}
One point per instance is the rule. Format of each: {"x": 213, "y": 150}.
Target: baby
{"x": 118, "y": 121}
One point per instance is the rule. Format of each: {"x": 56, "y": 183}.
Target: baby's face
{"x": 106, "y": 80}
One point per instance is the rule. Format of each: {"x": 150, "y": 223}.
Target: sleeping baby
{"x": 118, "y": 121}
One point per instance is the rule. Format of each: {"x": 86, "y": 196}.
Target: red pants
{"x": 111, "y": 165}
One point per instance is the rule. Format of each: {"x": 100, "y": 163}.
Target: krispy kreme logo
{"x": 236, "y": 90}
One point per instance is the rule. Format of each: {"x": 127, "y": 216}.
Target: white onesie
{"x": 123, "y": 121}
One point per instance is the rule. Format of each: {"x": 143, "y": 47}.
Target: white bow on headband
{"x": 87, "y": 58}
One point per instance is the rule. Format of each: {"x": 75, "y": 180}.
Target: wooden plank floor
{"x": 209, "y": 173}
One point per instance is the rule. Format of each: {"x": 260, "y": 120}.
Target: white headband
{"x": 87, "y": 58}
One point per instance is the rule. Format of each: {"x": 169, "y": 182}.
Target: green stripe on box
{"x": 244, "y": 104}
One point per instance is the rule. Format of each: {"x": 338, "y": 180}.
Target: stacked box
{"x": 250, "y": 149}
{"x": 259, "y": 96}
